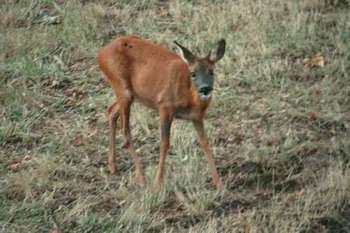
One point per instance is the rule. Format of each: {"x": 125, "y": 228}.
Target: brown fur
{"x": 160, "y": 79}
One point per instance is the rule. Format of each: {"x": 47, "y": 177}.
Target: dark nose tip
{"x": 205, "y": 90}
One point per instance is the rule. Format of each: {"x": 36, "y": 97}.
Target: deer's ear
{"x": 220, "y": 51}
{"x": 186, "y": 54}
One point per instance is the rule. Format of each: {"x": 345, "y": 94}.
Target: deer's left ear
{"x": 186, "y": 54}
{"x": 220, "y": 51}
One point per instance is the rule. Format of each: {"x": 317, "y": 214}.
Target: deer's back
{"x": 152, "y": 73}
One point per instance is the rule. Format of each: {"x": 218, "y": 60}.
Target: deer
{"x": 178, "y": 86}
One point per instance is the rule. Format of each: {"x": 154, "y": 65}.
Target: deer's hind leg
{"x": 125, "y": 125}
{"x": 118, "y": 75}
{"x": 113, "y": 114}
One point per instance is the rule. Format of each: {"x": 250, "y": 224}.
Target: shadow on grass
{"x": 337, "y": 223}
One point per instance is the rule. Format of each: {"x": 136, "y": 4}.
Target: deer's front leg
{"x": 204, "y": 142}
{"x": 166, "y": 118}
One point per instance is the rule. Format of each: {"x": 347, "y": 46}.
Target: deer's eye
{"x": 193, "y": 74}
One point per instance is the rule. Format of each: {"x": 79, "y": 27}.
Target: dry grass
{"x": 278, "y": 124}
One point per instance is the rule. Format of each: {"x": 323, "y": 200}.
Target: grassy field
{"x": 279, "y": 122}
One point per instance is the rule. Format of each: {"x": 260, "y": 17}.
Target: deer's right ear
{"x": 186, "y": 54}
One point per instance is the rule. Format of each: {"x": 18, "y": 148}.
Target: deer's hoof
{"x": 219, "y": 185}
{"x": 112, "y": 168}
{"x": 157, "y": 188}
{"x": 140, "y": 180}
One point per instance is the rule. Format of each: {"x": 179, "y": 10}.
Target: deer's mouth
{"x": 205, "y": 97}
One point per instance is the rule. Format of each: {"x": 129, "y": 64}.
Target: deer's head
{"x": 202, "y": 68}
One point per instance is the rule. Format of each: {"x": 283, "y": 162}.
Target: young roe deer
{"x": 178, "y": 87}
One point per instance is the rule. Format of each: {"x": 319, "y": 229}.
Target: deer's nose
{"x": 205, "y": 90}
